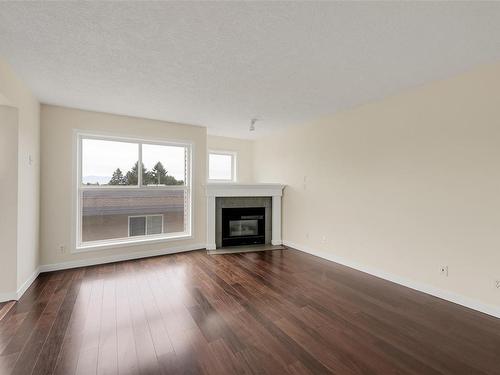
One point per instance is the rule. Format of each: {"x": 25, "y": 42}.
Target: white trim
{"x": 95, "y": 134}
{"x": 242, "y": 190}
{"x": 134, "y": 187}
{"x": 234, "y": 162}
{"x": 416, "y": 285}
{"x": 4, "y": 297}
{"x": 276, "y": 221}
{"x": 75, "y": 192}
{"x": 125, "y": 242}
{"x": 210, "y": 235}
{"x": 119, "y": 258}
{"x": 23, "y": 288}
{"x": 15, "y": 296}
{"x": 8, "y": 296}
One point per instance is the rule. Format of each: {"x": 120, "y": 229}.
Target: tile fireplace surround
{"x": 275, "y": 191}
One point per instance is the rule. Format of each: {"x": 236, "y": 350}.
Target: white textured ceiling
{"x": 218, "y": 64}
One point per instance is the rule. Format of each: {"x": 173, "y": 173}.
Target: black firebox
{"x": 243, "y": 226}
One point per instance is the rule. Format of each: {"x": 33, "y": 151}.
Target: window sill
{"x": 103, "y": 245}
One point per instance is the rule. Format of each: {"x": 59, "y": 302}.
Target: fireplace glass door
{"x": 243, "y": 226}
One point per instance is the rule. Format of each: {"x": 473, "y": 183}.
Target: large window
{"x": 131, "y": 190}
{"x": 221, "y": 166}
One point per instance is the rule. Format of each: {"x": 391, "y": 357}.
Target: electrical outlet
{"x": 62, "y": 249}
{"x": 497, "y": 284}
{"x": 323, "y": 239}
{"x": 444, "y": 271}
{"x": 307, "y": 236}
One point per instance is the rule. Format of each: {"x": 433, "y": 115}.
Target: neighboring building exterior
{"x": 110, "y": 215}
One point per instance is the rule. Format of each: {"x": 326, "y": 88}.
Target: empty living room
{"x": 250, "y": 187}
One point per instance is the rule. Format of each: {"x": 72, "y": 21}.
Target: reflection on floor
{"x": 268, "y": 312}
{"x": 245, "y": 249}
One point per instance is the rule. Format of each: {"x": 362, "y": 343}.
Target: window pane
{"x": 105, "y": 213}
{"x": 155, "y": 224}
{"x": 220, "y": 167}
{"x": 164, "y": 165}
{"x": 109, "y": 162}
{"x": 137, "y": 226}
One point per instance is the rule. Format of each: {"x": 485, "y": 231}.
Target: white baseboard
{"x": 421, "y": 287}
{"x": 14, "y": 296}
{"x": 118, "y": 258}
{"x": 23, "y": 288}
{"x": 9, "y": 296}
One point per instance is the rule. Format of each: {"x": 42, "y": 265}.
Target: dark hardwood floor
{"x": 5, "y": 307}
{"x": 275, "y": 312}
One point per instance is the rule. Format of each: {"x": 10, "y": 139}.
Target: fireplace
{"x": 243, "y": 196}
{"x": 243, "y": 226}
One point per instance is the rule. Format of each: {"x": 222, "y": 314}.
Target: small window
{"x": 222, "y": 166}
{"x": 145, "y": 225}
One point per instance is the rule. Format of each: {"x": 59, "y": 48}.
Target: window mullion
{"x": 139, "y": 167}
{"x": 79, "y": 219}
{"x": 133, "y": 187}
{"x": 187, "y": 161}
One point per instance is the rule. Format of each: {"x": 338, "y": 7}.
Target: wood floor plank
{"x": 67, "y": 359}
{"x": 15, "y": 341}
{"x": 146, "y": 354}
{"x": 107, "y": 361}
{"x": 89, "y": 350}
{"x": 158, "y": 330}
{"x": 49, "y": 354}
{"x": 5, "y": 308}
{"x": 126, "y": 349}
{"x": 38, "y": 337}
{"x": 273, "y": 312}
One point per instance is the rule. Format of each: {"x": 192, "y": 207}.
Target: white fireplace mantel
{"x": 243, "y": 190}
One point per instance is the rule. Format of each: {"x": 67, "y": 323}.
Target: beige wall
{"x": 403, "y": 185}
{"x": 14, "y": 93}
{"x": 57, "y": 125}
{"x": 244, "y": 149}
{"x": 8, "y": 201}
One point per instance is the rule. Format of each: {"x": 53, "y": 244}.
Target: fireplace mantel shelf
{"x": 243, "y": 190}
{"x": 214, "y": 190}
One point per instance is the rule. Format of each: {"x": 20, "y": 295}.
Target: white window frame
{"x": 234, "y": 159}
{"x": 79, "y": 188}
{"x": 146, "y": 218}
